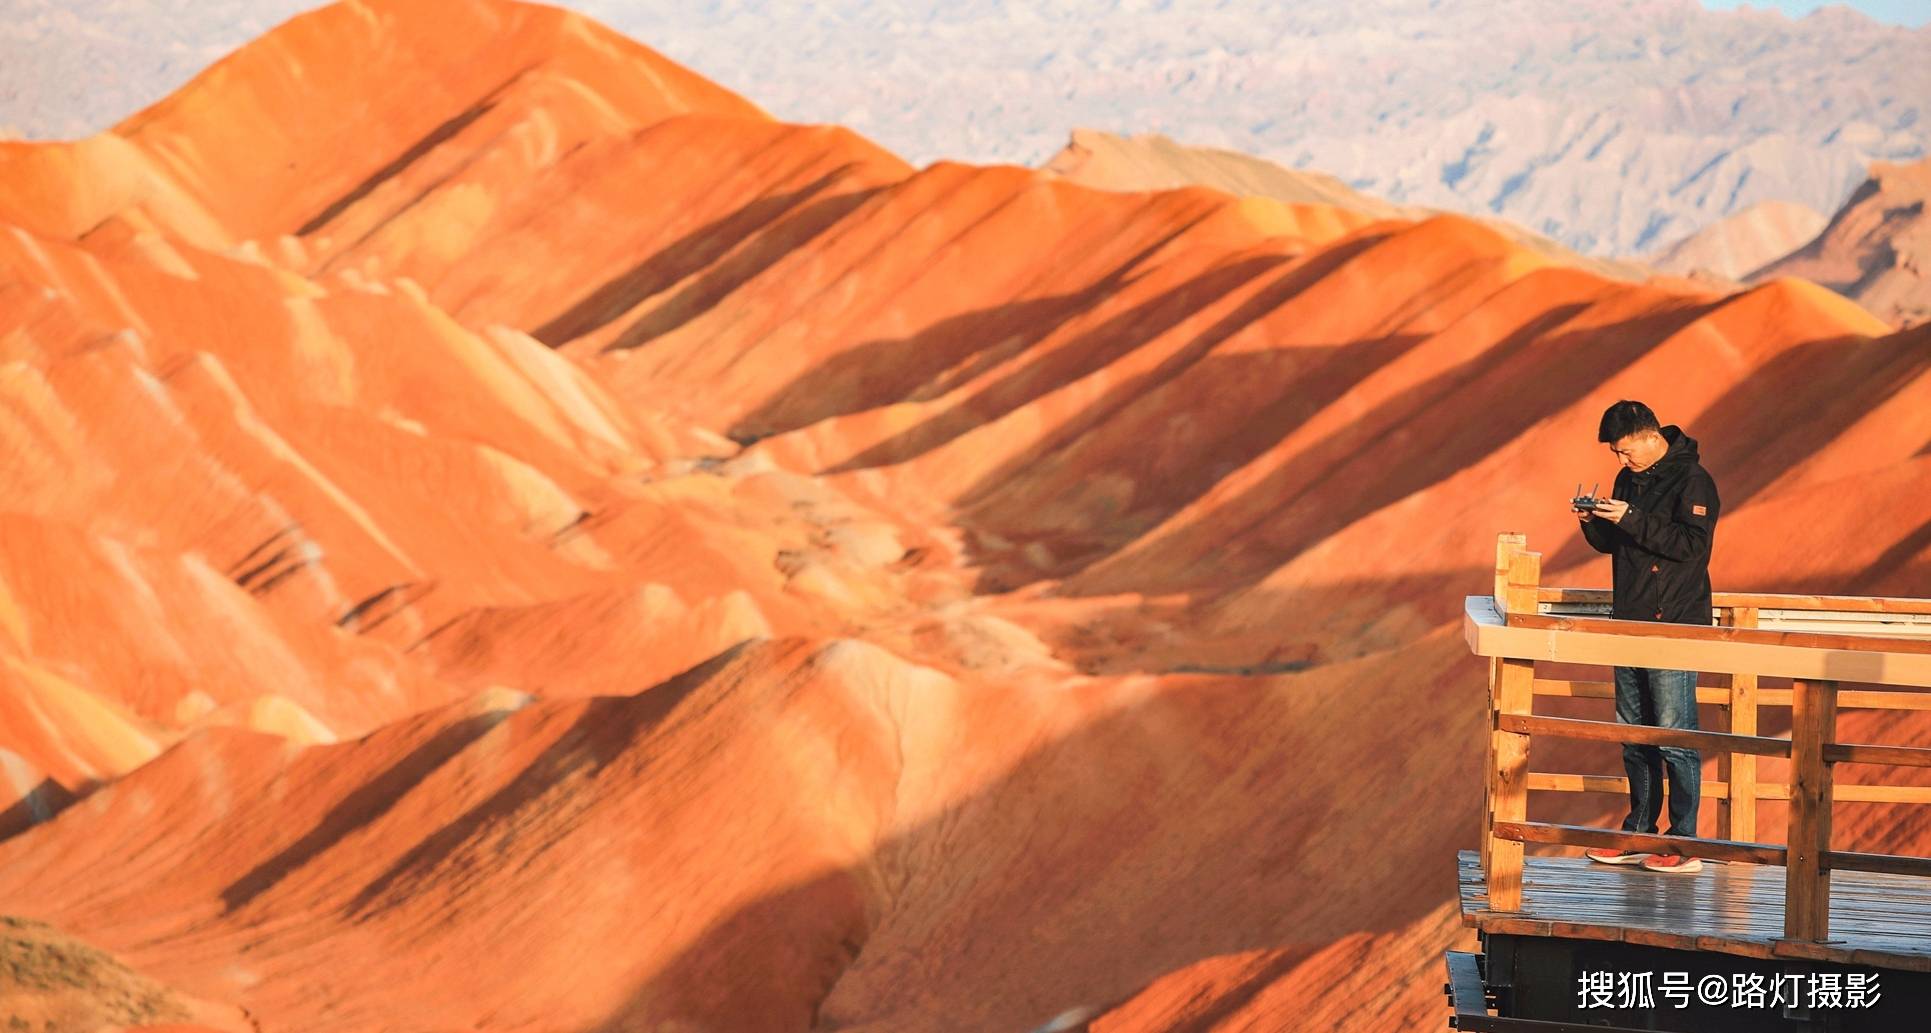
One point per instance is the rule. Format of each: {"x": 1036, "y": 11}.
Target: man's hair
{"x": 1625, "y": 418}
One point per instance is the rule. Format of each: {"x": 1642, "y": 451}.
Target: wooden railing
{"x": 1817, "y": 642}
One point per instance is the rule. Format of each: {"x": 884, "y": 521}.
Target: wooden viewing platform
{"x": 1736, "y": 908}
{"x": 1757, "y": 910}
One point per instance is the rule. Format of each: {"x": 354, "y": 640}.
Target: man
{"x": 1658, "y": 526}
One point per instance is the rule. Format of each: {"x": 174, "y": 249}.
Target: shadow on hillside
{"x": 1051, "y": 369}
{"x": 592, "y": 741}
{"x": 436, "y": 137}
{"x": 789, "y": 235}
{"x": 607, "y": 727}
{"x": 1894, "y": 572}
{"x": 361, "y": 807}
{"x": 698, "y": 250}
{"x": 1418, "y": 438}
{"x": 1133, "y": 390}
{"x": 39, "y": 804}
{"x": 930, "y": 360}
{"x": 944, "y": 355}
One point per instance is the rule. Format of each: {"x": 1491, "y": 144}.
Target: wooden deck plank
{"x": 1875, "y": 918}
{"x": 1876, "y": 932}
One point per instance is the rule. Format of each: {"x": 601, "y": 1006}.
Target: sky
{"x": 1912, "y": 13}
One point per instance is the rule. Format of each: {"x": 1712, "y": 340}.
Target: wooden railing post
{"x": 1488, "y": 770}
{"x": 1524, "y": 583}
{"x": 1507, "y": 544}
{"x": 1737, "y": 813}
{"x": 1518, "y": 576}
{"x": 1513, "y": 691}
{"x": 1813, "y": 723}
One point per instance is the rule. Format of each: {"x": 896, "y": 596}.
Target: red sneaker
{"x": 1607, "y": 856}
{"x": 1674, "y": 864}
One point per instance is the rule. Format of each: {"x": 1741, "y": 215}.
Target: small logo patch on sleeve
{"x": 1699, "y": 511}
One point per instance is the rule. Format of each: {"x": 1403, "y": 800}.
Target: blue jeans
{"x": 1666, "y": 699}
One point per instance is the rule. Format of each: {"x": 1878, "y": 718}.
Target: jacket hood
{"x": 1682, "y": 448}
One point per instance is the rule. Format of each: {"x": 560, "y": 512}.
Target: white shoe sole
{"x": 1690, "y": 867}
{"x": 1621, "y": 859}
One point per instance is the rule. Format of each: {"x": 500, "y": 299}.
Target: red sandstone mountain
{"x": 1877, "y": 248}
{"x": 547, "y": 547}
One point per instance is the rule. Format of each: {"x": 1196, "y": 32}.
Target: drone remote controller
{"x": 1589, "y": 501}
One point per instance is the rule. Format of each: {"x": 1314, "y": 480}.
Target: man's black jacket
{"x": 1661, "y": 547}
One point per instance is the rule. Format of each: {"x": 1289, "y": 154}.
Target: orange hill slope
{"x": 266, "y": 524}
{"x": 243, "y": 152}
{"x": 643, "y": 529}
{"x": 799, "y": 833}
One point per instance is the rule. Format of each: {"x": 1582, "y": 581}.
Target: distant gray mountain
{"x": 1739, "y": 244}
{"x": 1613, "y": 126}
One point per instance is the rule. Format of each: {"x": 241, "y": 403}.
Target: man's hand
{"x": 1583, "y": 515}
{"x": 1612, "y": 510}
